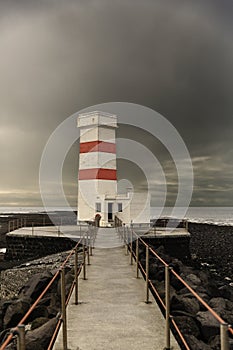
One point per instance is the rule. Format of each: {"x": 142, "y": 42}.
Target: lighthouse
{"x": 97, "y": 175}
{"x": 97, "y": 166}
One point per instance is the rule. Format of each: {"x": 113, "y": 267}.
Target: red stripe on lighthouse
{"x": 97, "y": 146}
{"x": 97, "y": 174}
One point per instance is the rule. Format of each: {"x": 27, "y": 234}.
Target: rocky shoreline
{"x": 212, "y": 245}
{"x": 209, "y": 273}
{"x": 199, "y": 328}
{"x": 21, "y": 286}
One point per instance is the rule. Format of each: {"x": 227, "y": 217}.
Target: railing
{"x": 86, "y": 243}
{"x": 31, "y": 226}
{"x": 117, "y": 222}
{"x": 128, "y": 236}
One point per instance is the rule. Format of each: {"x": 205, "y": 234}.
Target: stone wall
{"x": 31, "y": 247}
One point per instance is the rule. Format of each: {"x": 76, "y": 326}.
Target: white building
{"x": 97, "y": 180}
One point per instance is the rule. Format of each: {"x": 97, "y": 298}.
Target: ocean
{"x": 210, "y": 215}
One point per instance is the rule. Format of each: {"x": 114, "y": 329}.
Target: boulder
{"x": 160, "y": 289}
{"x": 223, "y": 308}
{"x": 189, "y": 305}
{"x": 33, "y": 288}
{"x": 212, "y": 290}
{"x": 15, "y": 311}
{"x": 175, "y": 283}
{"x": 38, "y": 322}
{"x": 218, "y": 303}
{"x": 226, "y": 292}
{"x": 153, "y": 269}
{"x": 209, "y": 326}
{"x": 193, "y": 280}
{"x": 39, "y": 338}
{"x": 196, "y": 344}
{"x": 187, "y": 325}
{"x": 215, "y": 343}
{"x": 39, "y": 311}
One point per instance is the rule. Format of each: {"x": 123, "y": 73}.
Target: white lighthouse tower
{"x": 97, "y": 166}
{"x": 97, "y": 178}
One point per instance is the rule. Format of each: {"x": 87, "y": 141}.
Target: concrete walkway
{"x": 112, "y": 314}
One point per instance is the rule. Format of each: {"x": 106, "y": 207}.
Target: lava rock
{"x": 196, "y": 344}
{"x": 218, "y": 303}
{"x": 223, "y": 308}
{"x": 38, "y": 322}
{"x": 193, "y": 280}
{"x": 189, "y": 305}
{"x": 15, "y": 311}
{"x": 188, "y": 325}
{"x": 39, "y": 311}
{"x": 33, "y": 288}
{"x": 226, "y": 292}
{"x": 39, "y": 338}
{"x": 215, "y": 343}
{"x": 209, "y": 326}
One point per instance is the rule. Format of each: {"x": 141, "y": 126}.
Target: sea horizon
{"x": 211, "y": 215}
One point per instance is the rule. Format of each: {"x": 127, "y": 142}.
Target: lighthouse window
{"x": 98, "y": 207}
{"x": 120, "y": 207}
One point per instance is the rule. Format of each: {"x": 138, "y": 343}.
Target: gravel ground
{"x": 12, "y": 280}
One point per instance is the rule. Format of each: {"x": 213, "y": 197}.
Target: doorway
{"x": 110, "y": 211}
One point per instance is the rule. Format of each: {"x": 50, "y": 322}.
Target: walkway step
{"x": 112, "y": 314}
{"x": 107, "y": 238}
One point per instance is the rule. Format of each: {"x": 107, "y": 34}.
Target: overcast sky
{"x": 174, "y": 56}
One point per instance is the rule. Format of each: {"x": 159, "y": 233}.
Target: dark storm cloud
{"x": 58, "y": 57}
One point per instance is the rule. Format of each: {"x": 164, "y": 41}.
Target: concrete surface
{"x": 112, "y": 313}
{"x": 69, "y": 231}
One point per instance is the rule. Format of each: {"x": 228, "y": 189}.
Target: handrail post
{"x": 32, "y": 228}
{"x": 76, "y": 275}
{"x": 126, "y": 240}
{"x": 9, "y": 226}
{"x": 17, "y": 223}
{"x": 147, "y": 274}
{"x": 131, "y": 246}
{"x": 137, "y": 258}
{"x": 84, "y": 259}
{"x": 21, "y": 337}
{"x": 63, "y": 307}
{"x": 91, "y": 242}
{"x": 167, "y": 302}
{"x": 224, "y": 336}
{"x": 13, "y": 225}
{"x": 88, "y": 249}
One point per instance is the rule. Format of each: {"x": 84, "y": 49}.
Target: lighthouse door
{"x": 110, "y": 212}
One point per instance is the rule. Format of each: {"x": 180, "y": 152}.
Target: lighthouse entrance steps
{"x": 112, "y": 313}
{"x": 107, "y": 238}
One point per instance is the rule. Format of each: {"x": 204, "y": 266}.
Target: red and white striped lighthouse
{"x": 97, "y": 165}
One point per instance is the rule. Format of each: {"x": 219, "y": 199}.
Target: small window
{"x": 120, "y": 207}
{"x": 98, "y": 207}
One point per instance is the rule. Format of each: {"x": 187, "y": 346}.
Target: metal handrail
{"x": 15, "y": 224}
{"x": 83, "y": 239}
{"x": 224, "y": 328}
